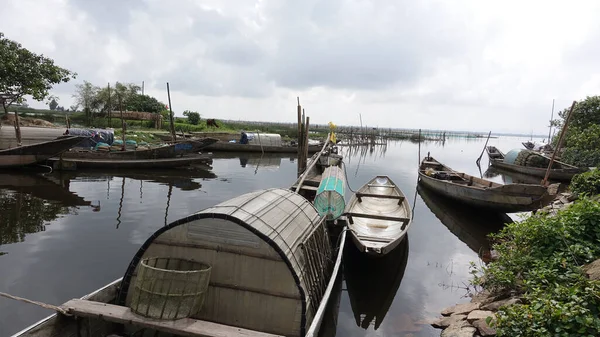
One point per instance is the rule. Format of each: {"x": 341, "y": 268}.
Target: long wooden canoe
{"x": 36, "y": 153}
{"x": 565, "y": 173}
{"x": 237, "y": 147}
{"x": 480, "y": 192}
{"x": 378, "y": 216}
{"x": 179, "y": 148}
{"x": 70, "y": 164}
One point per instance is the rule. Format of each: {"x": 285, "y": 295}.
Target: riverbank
{"x": 544, "y": 280}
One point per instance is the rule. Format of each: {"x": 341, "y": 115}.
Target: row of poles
{"x": 303, "y": 129}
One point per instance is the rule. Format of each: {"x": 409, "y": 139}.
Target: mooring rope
{"x": 43, "y": 305}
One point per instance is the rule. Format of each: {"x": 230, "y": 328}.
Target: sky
{"x": 432, "y": 64}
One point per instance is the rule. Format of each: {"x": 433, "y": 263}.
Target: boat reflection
{"x": 471, "y": 225}
{"x": 28, "y": 202}
{"x": 372, "y": 282}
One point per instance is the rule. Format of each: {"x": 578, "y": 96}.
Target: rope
{"x": 347, "y": 181}
{"x": 43, "y": 305}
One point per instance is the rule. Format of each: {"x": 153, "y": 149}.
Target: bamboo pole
{"x": 171, "y": 114}
{"x": 109, "y": 108}
{"x": 299, "y": 137}
{"x": 306, "y": 139}
{"x": 484, "y": 147}
{"x": 122, "y": 121}
{"x": 560, "y": 141}
{"x": 550, "y": 128}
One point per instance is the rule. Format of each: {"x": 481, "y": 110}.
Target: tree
{"x": 192, "y": 116}
{"x": 25, "y": 73}
{"x": 86, "y": 96}
{"x": 144, "y": 103}
{"x": 53, "y": 104}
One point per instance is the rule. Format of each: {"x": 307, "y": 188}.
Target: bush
{"x": 586, "y": 183}
{"x": 541, "y": 258}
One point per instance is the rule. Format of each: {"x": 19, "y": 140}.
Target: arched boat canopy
{"x": 271, "y": 245}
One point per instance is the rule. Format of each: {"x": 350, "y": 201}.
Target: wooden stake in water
{"x": 484, "y": 147}
{"x": 122, "y": 121}
{"x": 171, "y": 114}
{"x": 560, "y": 141}
{"x": 299, "y": 137}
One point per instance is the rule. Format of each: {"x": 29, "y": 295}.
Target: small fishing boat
{"x": 36, "y": 153}
{"x": 180, "y": 148}
{"x": 72, "y": 164}
{"x": 510, "y": 161}
{"x": 239, "y": 268}
{"x": 480, "y": 192}
{"x": 378, "y": 216}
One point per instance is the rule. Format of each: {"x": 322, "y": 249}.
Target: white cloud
{"x": 431, "y": 64}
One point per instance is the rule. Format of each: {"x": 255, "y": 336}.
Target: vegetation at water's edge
{"x": 582, "y": 141}
{"x": 586, "y": 183}
{"x": 541, "y": 259}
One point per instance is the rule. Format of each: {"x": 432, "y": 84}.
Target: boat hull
{"x": 237, "y": 147}
{"x": 379, "y": 216}
{"x": 555, "y": 174}
{"x": 488, "y": 199}
{"x": 69, "y": 164}
{"x": 36, "y": 153}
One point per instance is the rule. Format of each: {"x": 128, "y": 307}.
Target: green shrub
{"x": 586, "y": 183}
{"x": 541, "y": 258}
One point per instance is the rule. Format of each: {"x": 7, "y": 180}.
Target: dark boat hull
{"x": 36, "y": 153}
{"x": 555, "y": 174}
{"x": 71, "y": 164}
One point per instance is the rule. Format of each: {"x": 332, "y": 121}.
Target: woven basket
{"x": 170, "y": 288}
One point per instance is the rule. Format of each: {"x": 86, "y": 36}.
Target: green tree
{"x": 144, "y": 103}
{"x": 25, "y": 73}
{"x": 86, "y": 97}
{"x": 192, "y": 116}
{"x": 53, "y": 104}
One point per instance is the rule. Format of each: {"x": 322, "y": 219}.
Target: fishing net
{"x": 170, "y": 288}
{"x": 532, "y": 159}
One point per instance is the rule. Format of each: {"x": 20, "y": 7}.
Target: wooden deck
{"x": 182, "y": 327}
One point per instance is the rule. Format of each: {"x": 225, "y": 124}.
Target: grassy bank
{"x": 541, "y": 260}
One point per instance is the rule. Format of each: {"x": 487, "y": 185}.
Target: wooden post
{"x": 419, "y": 147}
{"x": 122, "y": 121}
{"x": 143, "y": 89}
{"x": 550, "y": 128}
{"x": 109, "y": 108}
{"x": 560, "y": 141}
{"x": 171, "y": 114}
{"x": 484, "y": 147}
{"x": 299, "y": 137}
{"x": 306, "y": 140}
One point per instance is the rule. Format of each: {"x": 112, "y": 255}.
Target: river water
{"x": 65, "y": 235}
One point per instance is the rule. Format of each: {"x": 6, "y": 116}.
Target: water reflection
{"x": 29, "y": 202}
{"x": 372, "y": 282}
{"x": 470, "y": 225}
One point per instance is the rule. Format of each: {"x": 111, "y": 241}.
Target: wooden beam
{"x": 376, "y": 217}
{"x": 182, "y": 327}
{"x": 368, "y": 195}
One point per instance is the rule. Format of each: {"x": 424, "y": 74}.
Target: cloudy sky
{"x": 453, "y": 65}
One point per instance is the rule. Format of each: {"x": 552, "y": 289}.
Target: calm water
{"x": 65, "y": 235}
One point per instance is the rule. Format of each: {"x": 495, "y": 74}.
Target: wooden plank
{"x": 369, "y": 195}
{"x": 183, "y": 327}
{"x": 376, "y": 217}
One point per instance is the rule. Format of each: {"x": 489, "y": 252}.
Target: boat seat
{"x": 359, "y": 196}
{"x": 351, "y": 217}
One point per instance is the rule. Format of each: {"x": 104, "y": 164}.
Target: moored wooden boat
{"x": 36, "y": 153}
{"x": 72, "y": 163}
{"x": 237, "y": 147}
{"x": 378, "y": 216}
{"x": 269, "y": 272}
{"x": 162, "y": 152}
{"x": 480, "y": 192}
{"x": 560, "y": 171}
